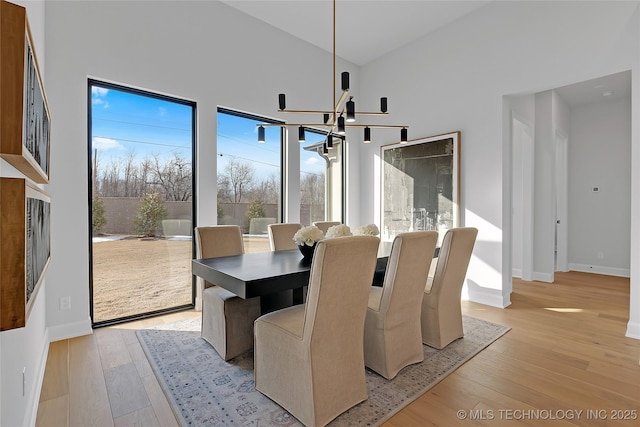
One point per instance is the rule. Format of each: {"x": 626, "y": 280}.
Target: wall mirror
{"x": 420, "y": 185}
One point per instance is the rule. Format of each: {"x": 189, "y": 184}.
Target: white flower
{"x": 369, "y": 230}
{"x": 308, "y": 235}
{"x": 339, "y": 230}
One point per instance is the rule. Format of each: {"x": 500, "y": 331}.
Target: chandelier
{"x": 343, "y": 114}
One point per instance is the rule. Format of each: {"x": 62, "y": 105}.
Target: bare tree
{"x": 224, "y": 188}
{"x": 313, "y": 194}
{"x": 240, "y": 177}
{"x": 174, "y": 176}
{"x": 111, "y": 179}
{"x": 267, "y": 190}
{"x": 130, "y": 175}
{"x": 145, "y": 176}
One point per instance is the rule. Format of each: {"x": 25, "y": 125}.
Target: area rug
{"x": 204, "y": 390}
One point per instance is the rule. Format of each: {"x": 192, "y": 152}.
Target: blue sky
{"x": 123, "y": 122}
{"x": 237, "y": 139}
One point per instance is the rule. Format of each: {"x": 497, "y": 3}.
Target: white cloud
{"x": 97, "y": 101}
{"x": 99, "y": 91}
{"x": 103, "y": 144}
{"x": 312, "y": 160}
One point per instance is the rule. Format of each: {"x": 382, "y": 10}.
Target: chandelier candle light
{"x": 342, "y": 115}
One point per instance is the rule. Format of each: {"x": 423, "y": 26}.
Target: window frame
{"x": 283, "y": 200}
{"x": 343, "y": 170}
{"x": 92, "y": 82}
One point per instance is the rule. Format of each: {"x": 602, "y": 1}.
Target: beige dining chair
{"x": 227, "y": 320}
{"x": 309, "y": 358}
{"x": 441, "y": 310}
{"x": 325, "y": 225}
{"x": 392, "y": 329}
{"x": 281, "y": 236}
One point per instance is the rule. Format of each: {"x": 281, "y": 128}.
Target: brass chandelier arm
{"x": 342, "y": 116}
{"x": 347, "y": 125}
{"x": 359, "y": 113}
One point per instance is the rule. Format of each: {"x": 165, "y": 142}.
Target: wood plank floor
{"x": 566, "y": 353}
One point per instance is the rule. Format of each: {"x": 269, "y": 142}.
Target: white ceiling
{"x": 365, "y": 29}
{"x": 603, "y": 89}
{"x": 369, "y": 29}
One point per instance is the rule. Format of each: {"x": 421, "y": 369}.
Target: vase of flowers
{"x": 368, "y": 230}
{"x": 339, "y": 230}
{"x": 306, "y": 239}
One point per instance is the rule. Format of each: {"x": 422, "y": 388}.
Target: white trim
{"x": 542, "y": 277}
{"x": 491, "y": 297}
{"x": 527, "y": 154}
{"x": 516, "y": 272}
{"x": 598, "y": 269}
{"x": 633, "y": 330}
{"x": 562, "y": 189}
{"x": 34, "y": 396}
{"x": 69, "y": 330}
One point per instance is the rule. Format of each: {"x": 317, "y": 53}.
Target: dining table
{"x": 275, "y": 276}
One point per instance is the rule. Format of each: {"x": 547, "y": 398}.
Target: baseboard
{"x": 542, "y": 277}
{"x": 493, "y": 299}
{"x": 70, "y": 330}
{"x": 516, "y": 272}
{"x": 633, "y": 330}
{"x": 598, "y": 269}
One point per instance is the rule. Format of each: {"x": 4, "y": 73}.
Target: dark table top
{"x": 263, "y": 273}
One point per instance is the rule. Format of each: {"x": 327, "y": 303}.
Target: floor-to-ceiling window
{"x": 321, "y": 178}
{"x": 141, "y": 161}
{"x": 249, "y": 176}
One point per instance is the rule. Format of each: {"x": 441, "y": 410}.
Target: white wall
{"x": 452, "y": 80}
{"x": 202, "y": 51}
{"x": 455, "y": 79}
{"x": 25, "y": 348}
{"x": 600, "y": 156}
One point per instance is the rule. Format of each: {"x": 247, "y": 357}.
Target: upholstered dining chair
{"x": 281, "y": 236}
{"x": 227, "y": 320}
{"x": 392, "y": 329}
{"x": 309, "y": 358}
{"x": 441, "y": 315}
{"x": 325, "y": 225}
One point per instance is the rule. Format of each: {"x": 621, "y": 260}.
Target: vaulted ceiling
{"x": 365, "y": 29}
{"x": 369, "y": 29}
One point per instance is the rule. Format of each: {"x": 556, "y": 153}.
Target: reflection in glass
{"x": 321, "y": 170}
{"x": 420, "y": 186}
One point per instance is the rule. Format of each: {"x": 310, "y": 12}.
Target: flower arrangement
{"x": 339, "y": 230}
{"x": 369, "y": 230}
{"x": 308, "y": 235}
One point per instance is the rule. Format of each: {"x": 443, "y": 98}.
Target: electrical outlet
{"x": 65, "y": 303}
{"x": 600, "y": 255}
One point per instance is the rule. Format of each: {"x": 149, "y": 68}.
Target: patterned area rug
{"x": 204, "y": 390}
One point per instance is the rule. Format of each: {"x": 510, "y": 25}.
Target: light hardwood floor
{"x": 566, "y": 353}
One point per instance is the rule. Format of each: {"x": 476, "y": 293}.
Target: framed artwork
{"x": 420, "y": 185}
{"x": 25, "y": 248}
{"x": 25, "y": 127}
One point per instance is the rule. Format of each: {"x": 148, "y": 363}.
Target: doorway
{"x": 522, "y": 198}
{"x": 561, "y": 236}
